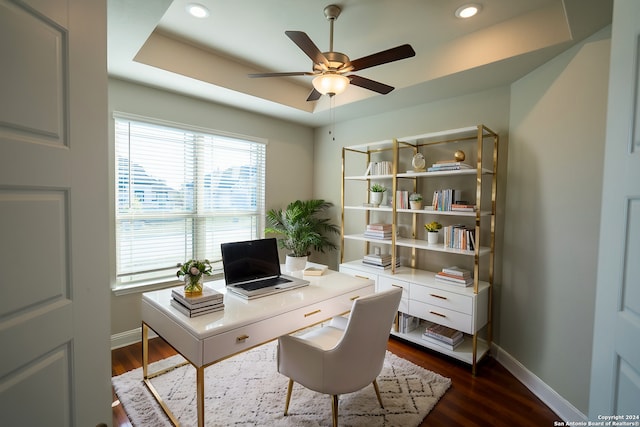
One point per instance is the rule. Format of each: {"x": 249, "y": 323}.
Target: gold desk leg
{"x": 145, "y": 349}
{"x": 200, "y": 394}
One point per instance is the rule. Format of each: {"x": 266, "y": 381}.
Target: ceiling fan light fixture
{"x": 331, "y": 84}
{"x": 468, "y": 10}
{"x": 197, "y": 10}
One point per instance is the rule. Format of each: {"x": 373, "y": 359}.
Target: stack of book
{"x": 443, "y": 336}
{"x": 381, "y": 261}
{"x": 407, "y": 323}
{"x": 454, "y": 276}
{"x": 448, "y": 165}
{"x": 379, "y": 168}
{"x": 208, "y": 301}
{"x": 379, "y": 231}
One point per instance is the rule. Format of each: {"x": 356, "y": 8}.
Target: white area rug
{"x": 247, "y": 390}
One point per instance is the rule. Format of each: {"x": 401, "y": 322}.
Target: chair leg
{"x": 289, "y": 389}
{"x": 375, "y": 386}
{"x": 334, "y": 409}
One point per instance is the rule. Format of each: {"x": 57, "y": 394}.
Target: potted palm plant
{"x": 301, "y": 229}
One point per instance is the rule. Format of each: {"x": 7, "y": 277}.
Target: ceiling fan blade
{"x": 303, "y": 41}
{"x": 394, "y": 54}
{"x": 293, "y": 73}
{"x": 370, "y": 84}
{"x": 314, "y": 95}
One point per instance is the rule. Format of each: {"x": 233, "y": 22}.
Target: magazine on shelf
{"x": 443, "y": 344}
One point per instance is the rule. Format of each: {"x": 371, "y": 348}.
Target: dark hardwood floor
{"x": 492, "y": 398}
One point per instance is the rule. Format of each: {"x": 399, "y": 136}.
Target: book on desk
{"x": 208, "y": 301}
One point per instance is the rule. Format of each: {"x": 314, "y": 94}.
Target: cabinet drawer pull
{"x": 361, "y": 277}
{"x": 437, "y": 296}
{"x": 354, "y": 297}
{"x": 312, "y": 313}
{"x": 437, "y": 314}
{"x": 242, "y": 338}
{"x": 398, "y": 286}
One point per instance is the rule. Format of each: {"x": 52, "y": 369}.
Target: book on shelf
{"x": 442, "y": 335}
{"x": 461, "y": 207}
{"x": 443, "y": 344}
{"x": 378, "y": 235}
{"x": 195, "y": 312}
{"x": 454, "y": 270}
{"x": 458, "y": 236}
{"x": 453, "y": 280}
{"x": 380, "y": 227}
{"x": 380, "y": 266}
{"x": 207, "y": 297}
{"x": 448, "y": 166}
{"x": 402, "y": 199}
{"x": 379, "y": 168}
{"x": 444, "y": 199}
{"x": 382, "y": 258}
{"x": 407, "y": 323}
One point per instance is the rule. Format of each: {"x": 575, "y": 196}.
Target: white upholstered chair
{"x": 344, "y": 356}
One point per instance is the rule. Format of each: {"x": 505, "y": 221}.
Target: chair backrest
{"x": 358, "y": 358}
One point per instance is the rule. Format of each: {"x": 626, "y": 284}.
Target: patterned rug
{"x": 247, "y": 390}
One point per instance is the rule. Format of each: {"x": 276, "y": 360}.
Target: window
{"x": 180, "y": 193}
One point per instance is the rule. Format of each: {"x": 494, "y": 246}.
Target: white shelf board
{"x": 367, "y": 177}
{"x": 437, "y": 247}
{"x": 444, "y": 213}
{"x": 463, "y": 352}
{"x": 370, "y": 208}
{"x": 472, "y": 171}
{"x": 367, "y": 239}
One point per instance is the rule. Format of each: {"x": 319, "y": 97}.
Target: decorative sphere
{"x": 459, "y": 155}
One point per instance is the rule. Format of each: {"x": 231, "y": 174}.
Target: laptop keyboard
{"x": 263, "y": 283}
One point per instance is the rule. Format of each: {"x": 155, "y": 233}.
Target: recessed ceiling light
{"x": 468, "y": 10}
{"x": 197, "y": 10}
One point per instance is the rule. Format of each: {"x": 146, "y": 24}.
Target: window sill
{"x": 139, "y": 288}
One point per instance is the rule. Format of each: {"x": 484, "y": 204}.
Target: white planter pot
{"x": 376, "y": 198}
{"x": 294, "y": 264}
{"x": 432, "y": 237}
{"x": 416, "y": 205}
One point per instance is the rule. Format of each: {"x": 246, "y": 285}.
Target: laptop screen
{"x": 250, "y": 260}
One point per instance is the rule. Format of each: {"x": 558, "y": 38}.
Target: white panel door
{"x": 615, "y": 375}
{"x": 54, "y": 290}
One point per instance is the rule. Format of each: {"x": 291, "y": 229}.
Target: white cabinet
{"x": 415, "y": 262}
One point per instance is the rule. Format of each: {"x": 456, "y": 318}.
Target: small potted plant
{"x": 415, "y": 201}
{"x": 193, "y": 270}
{"x": 432, "y": 232}
{"x": 376, "y": 194}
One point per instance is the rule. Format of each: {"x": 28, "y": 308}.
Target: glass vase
{"x": 193, "y": 285}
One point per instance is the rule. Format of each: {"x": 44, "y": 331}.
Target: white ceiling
{"x": 157, "y": 43}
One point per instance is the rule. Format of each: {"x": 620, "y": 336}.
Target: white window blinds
{"x": 180, "y": 194}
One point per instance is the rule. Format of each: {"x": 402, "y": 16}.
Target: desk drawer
{"x": 386, "y": 283}
{"x": 442, "y": 298}
{"x": 245, "y": 337}
{"x": 442, "y": 316}
{"x": 359, "y": 273}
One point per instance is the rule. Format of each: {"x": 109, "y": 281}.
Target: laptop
{"x": 252, "y": 269}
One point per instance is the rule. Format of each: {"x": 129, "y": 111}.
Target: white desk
{"x": 243, "y": 324}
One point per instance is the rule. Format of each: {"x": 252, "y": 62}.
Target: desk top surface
{"x": 239, "y": 312}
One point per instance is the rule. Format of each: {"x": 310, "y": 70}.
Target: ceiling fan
{"x": 331, "y": 68}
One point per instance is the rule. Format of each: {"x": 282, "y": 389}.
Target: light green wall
{"x": 554, "y": 182}
{"x": 285, "y": 180}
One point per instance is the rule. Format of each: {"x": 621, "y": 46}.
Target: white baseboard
{"x": 558, "y": 404}
{"x": 126, "y": 338}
